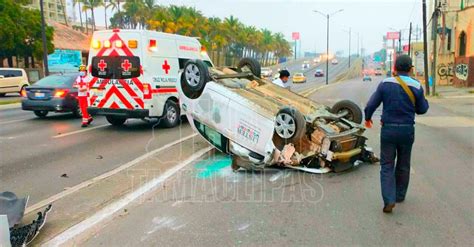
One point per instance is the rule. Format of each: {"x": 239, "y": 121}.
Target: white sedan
{"x": 261, "y": 124}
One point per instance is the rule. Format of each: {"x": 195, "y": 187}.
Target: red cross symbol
{"x": 166, "y": 67}
{"x": 102, "y": 65}
{"x": 126, "y": 65}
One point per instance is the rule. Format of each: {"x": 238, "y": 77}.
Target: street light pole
{"x": 327, "y": 52}
{"x": 349, "y": 47}
{"x": 43, "y": 35}
{"x": 327, "y": 40}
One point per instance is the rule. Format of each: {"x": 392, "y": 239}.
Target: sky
{"x": 368, "y": 19}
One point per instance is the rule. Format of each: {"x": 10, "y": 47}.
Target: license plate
{"x": 39, "y": 95}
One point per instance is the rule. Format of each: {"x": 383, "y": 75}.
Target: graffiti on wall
{"x": 446, "y": 71}
{"x": 462, "y": 71}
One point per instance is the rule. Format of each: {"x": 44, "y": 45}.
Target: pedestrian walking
{"x": 402, "y": 98}
{"x": 283, "y": 80}
{"x": 83, "y": 96}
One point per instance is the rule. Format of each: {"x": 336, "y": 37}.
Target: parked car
{"x": 12, "y": 80}
{"x": 319, "y": 73}
{"x": 260, "y": 124}
{"x": 367, "y": 78}
{"x": 299, "y": 78}
{"x": 267, "y": 73}
{"x": 54, "y": 93}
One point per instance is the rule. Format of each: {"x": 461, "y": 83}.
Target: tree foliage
{"x": 20, "y": 31}
{"x": 229, "y": 35}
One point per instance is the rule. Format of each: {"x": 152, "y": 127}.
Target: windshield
{"x": 57, "y": 80}
{"x": 298, "y": 74}
{"x": 120, "y": 67}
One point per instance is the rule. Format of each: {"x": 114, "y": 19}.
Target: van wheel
{"x": 290, "y": 126}
{"x": 252, "y": 65}
{"x": 354, "y": 113}
{"x": 194, "y": 78}
{"x": 171, "y": 114}
{"x": 41, "y": 114}
{"x": 116, "y": 121}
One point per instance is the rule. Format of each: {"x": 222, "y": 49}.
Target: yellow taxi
{"x": 299, "y": 78}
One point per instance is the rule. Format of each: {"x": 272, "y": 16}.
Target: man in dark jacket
{"x": 402, "y": 97}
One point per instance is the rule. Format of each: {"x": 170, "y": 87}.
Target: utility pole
{"x": 358, "y": 47}
{"x": 349, "y": 47}
{"x": 425, "y": 49}
{"x": 43, "y": 36}
{"x": 409, "y": 41}
{"x": 434, "y": 27}
{"x": 327, "y": 40}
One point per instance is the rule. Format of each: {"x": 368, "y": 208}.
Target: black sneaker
{"x": 400, "y": 200}
{"x": 84, "y": 125}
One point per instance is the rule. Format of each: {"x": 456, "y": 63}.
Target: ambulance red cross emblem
{"x": 166, "y": 67}
{"x": 102, "y": 65}
{"x": 126, "y": 65}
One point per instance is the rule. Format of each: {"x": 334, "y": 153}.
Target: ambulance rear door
{"x": 115, "y": 64}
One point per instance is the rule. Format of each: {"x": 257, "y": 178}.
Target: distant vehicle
{"x": 334, "y": 61}
{"x": 267, "y": 72}
{"x": 319, "y": 73}
{"x": 12, "y": 80}
{"x": 305, "y": 65}
{"x": 367, "y": 78}
{"x": 299, "y": 78}
{"x": 317, "y": 60}
{"x": 54, "y": 93}
{"x": 378, "y": 71}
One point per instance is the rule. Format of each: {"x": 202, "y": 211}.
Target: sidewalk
{"x": 457, "y": 100}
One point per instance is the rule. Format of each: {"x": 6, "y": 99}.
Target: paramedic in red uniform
{"x": 82, "y": 95}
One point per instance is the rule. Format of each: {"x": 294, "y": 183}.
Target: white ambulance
{"x": 133, "y": 74}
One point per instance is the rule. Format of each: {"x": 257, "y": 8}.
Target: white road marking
{"x": 80, "y": 131}
{"x": 15, "y": 121}
{"x": 84, "y": 184}
{"x": 111, "y": 209}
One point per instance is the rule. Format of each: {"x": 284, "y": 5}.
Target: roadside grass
{"x": 7, "y": 102}
{"x": 354, "y": 72}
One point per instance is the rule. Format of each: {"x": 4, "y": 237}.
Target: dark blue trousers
{"x": 395, "y": 153}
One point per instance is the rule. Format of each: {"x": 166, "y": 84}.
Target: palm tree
{"x": 78, "y": 2}
{"x": 92, "y": 4}
{"x": 64, "y": 11}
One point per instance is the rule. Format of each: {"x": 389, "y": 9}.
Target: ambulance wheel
{"x": 116, "y": 121}
{"x": 290, "y": 126}
{"x": 194, "y": 78}
{"x": 354, "y": 113}
{"x": 171, "y": 115}
{"x": 252, "y": 65}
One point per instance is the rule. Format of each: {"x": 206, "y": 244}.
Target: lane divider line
{"x": 80, "y": 131}
{"x": 15, "y": 121}
{"x": 89, "y": 182}
{"x": 111, "y": 209}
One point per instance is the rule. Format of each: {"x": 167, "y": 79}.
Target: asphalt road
{"x": 42, "y": 157}
{"x": 208, "y": 205}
